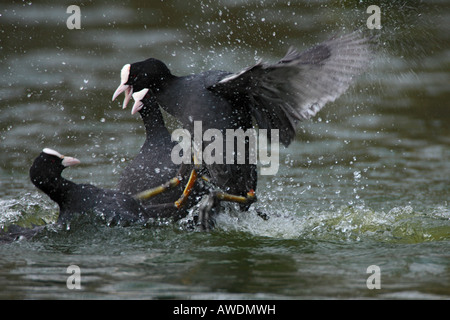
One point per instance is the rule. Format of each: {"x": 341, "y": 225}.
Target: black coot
{"x": 113, "y": 206}
{"x": 116, "y": 207}
{"x": 156, "y": 153}
{"x": 277, "y": 95}
{"x": 152, "y": 166}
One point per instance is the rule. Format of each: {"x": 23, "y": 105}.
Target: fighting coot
{"x": 277, "y": 95}
{"x": 114, "y": 206}
{"x": 145, "y": 104}
{"x": 152, "y": 165}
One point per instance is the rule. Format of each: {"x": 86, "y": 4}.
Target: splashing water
{"x": 347, "y": 223}
{"x": 31, "y": 209}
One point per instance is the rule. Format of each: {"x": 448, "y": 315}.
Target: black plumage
{"x": 74, "y": 199}
{"x": 152, "y": 166}
{"x": 277, "y": 95}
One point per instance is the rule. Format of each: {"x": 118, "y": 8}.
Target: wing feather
{"x": 300, "y": 84}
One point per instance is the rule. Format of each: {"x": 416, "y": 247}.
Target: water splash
{"x": 402, "y": 224}
{"x": 347, "y": 223}
{"x": 28, "y": 210}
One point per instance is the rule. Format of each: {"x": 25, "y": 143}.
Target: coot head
{"x": 45, "y": 173}
{"x": 51, "y": 163}
{"x": 151, "y": 73}
{"x": 111, "y": 205}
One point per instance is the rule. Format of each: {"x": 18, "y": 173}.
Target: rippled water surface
{"x": 365, "y": 183}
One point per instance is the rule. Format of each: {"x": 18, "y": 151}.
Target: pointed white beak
{"x": 124, "y": 75}
{"x": 138, "y": 104}
{"x": 69, "y": 161}
{"x": 66, "y": 161}
{"x": 128, "y": 92}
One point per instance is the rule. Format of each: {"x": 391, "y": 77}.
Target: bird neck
{"x": 153, "y": 120}
{"x": 56, "y": 187}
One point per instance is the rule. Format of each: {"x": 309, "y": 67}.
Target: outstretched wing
{"x": 299, "y": 85}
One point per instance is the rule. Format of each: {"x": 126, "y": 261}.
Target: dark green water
{"x": 365, "y": 183}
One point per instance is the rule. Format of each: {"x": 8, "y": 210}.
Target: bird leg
{"x": 214, "y": 198}
{"x": 172, "y": 183}
{"x": 192, "y": 179}
{"x": 147, "y": 194}
{"x": 187, "y": 190}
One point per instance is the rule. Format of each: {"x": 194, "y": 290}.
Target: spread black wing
{"x": 299, "y": 85}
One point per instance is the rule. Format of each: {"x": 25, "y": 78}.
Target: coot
{"x": 114, "y": 206}
{"x": 276, "y": 96}
{"x": 152, "y": 165}
{"x": 145, "y": 104}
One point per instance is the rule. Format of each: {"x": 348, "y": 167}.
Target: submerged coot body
{"x": 73, "y": 199}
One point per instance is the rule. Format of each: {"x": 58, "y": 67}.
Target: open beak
{"x": 128, "y": 92}
{"x": 69, "y": 161}
{"x": 138, "y": 104}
